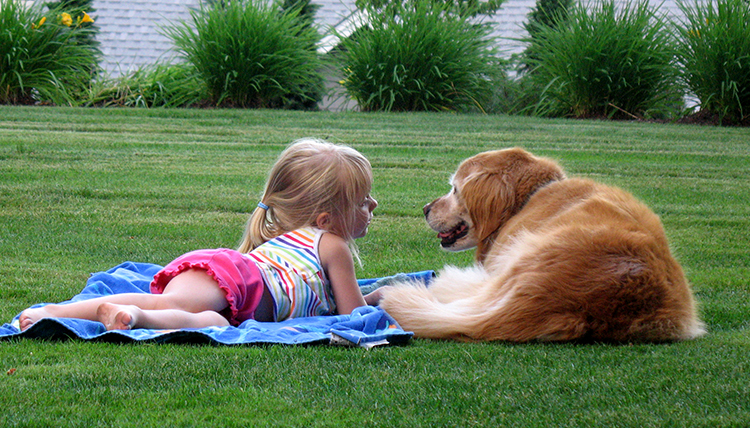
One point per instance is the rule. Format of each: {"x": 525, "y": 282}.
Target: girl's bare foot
{"x": 117, "y": 317}
{"x": 32, "y": 315}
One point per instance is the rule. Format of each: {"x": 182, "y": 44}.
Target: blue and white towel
{"x": 366, "y": 326}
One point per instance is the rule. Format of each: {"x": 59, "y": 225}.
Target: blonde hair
{"x": 310, "y": 177}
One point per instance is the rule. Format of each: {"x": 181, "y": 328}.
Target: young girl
{"x": 295, "y": 259}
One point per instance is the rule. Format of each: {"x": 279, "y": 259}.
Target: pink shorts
{"x": 237, "y": 275}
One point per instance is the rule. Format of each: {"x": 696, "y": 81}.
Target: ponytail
{"x": 258, "y": 229}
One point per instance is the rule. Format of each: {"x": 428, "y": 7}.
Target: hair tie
{"x": 262, "y": 205}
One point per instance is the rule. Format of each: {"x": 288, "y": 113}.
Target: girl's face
{"x": 363, "y": 216}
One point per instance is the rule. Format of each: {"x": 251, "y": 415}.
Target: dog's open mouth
{"x": 450, "y": 237}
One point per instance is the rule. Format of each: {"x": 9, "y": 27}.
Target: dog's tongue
{"x": 459, "y": 229}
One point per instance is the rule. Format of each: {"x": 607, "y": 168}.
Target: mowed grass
{"x": 82, "y": 190}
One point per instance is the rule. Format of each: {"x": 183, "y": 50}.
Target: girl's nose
{"x": 373, "y": 203}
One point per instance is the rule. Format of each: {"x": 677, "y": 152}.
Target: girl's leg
{"x": 191, "y": 292}
{"x": 191, "y": 299}
{"x": 125, "y": 317}
{"x": 85, "y": 309}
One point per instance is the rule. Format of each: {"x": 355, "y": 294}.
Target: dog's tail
{"x": 417, "y": 310}
{"x": 471, "y": 305}
{"x": 447, "y": 310}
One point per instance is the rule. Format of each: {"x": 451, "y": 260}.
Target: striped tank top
{"x": 291, "y": 270}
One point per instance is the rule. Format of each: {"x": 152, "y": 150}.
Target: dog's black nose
{"x": 426, "y": 209}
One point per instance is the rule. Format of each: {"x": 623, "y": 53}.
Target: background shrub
{"x": 546, "y": 14}
{"x": 605, "y": 60}
{"x": 460, "y": 8}
{"x": 156, "y": 85}
{"x": 418, "y": 56}
{"x": 252, "y": 54}
{"x": 520, "y": 94}
{"x": 41, "y": 58}
{"x": 715, "y": 53}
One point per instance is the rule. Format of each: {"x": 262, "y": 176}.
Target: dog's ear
{"x": 496, "y": 186}
{"x": 490, "y": 201}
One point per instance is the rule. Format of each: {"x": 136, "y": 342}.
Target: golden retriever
{"x": 557, "y": 259}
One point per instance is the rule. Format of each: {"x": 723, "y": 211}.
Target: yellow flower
{"x": 41, "y": 22}
{"x": 84, "y": 18}
{"x": 65, "y": 19}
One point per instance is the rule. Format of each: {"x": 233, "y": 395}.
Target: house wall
{"x": 129, "y": 31}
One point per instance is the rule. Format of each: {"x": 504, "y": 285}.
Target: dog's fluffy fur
{"x": 557, "y": 259}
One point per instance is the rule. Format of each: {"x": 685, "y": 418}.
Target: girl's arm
{"x": 338, "y": 264}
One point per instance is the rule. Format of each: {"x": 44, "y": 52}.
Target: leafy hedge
{"x": 417, "y": 56}
{"x": 251, "y": 53}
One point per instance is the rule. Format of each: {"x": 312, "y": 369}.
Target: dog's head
{"x": 487, "y": 190}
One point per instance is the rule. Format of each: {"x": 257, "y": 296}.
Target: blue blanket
{"x": 366, "y": 326}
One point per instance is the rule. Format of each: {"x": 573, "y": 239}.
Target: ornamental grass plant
{"x": 714, "y": 50}
{"x": 156, "y": 85}
{"x": 418, "y": 56}
{"x": 251, "y": 53}
{"x": 606, "y": 60}
{"x": 41, "y": 56}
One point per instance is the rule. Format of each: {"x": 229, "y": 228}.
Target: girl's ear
{"x": 323, "y": 221}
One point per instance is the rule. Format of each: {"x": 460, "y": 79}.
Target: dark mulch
{"x": 704, "y": 117}
{"x": 701, "y": 117}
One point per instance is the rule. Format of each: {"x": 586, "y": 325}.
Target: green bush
{"x": 606, "y": 61}
{"x": 157, "y": 85}
{"x": 40, "y": 56}
{"x": 715, "y": 53}
{"x": 417, "y": 56}
{"x": 546, "y": 14}
{"x": 460, "y": 8}
{"x": 252, "y": 53}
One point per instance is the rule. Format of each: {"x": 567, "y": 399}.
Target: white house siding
{"x": 508, "y": 23}
{"x": 129, "y": 31}
{"x": 332, "y": 13}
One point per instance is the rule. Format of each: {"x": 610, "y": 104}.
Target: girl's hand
{"x": 373, "y": 298}
{"x": 337, "y": 262}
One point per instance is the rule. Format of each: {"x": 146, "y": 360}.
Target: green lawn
{"x": 82, "y": 190}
